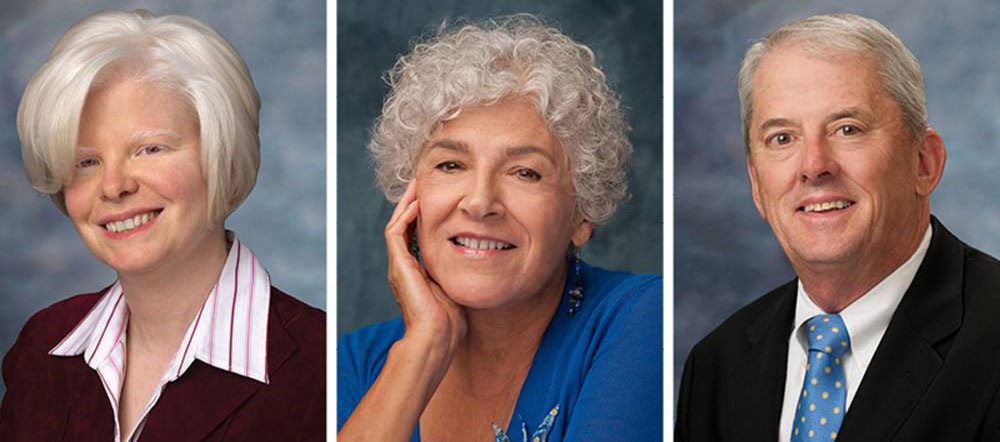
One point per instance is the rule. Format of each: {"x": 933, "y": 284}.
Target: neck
{"x": 833, "y": 287}
{"x": 163, "y": 303}
{"x": 501, "y": 343}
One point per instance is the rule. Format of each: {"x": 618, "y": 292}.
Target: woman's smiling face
{"x": 137, "y": 195}
{"x": 497, "y": 206}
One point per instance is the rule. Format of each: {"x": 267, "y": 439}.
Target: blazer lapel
{"x": 87, "y": 414}
{"x": 200, "y": 400}
{"x": 914, "y": 345}
{"x": 757, "y": 383}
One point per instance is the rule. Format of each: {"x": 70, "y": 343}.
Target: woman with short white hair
{"x": 504, "y": 148}
{"x": 144, "y": 131}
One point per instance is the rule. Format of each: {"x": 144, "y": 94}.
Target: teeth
{"x": 829, "y": 205}
{"x": 482, "y": 244}
{"x": 129, "y": 224}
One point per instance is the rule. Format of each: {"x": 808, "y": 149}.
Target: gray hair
{"x": 898, "y": 69}
{"x": 181, "y": 53}
{"x": 470, "y": 64}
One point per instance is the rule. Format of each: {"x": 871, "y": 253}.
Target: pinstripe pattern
{"x": 232, "y": 338}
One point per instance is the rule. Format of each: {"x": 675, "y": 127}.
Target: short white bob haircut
{"x": 180, "y": 53}
{"x": 471, "y": 64}
{"x": 899, "y": 72}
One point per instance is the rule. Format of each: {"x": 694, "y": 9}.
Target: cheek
{"x": 435, "y": 200}
{"x": 181, "y": 182}
{"x": 77, "y": 201}
{"x": 551, "y": 218}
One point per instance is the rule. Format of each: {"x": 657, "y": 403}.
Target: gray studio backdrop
{"x": 42, "y": 259}
{"x": 725, "y": 255}
{"x": 627, "y": 39}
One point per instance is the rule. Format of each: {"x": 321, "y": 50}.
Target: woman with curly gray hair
{"x": 504, "y": 148}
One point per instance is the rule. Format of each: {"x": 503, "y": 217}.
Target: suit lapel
{"x": 87, "y": 414}
{"x": 914, "y": 345}
{"x": 757, "y": 382}
{"x": 204, "y": 397}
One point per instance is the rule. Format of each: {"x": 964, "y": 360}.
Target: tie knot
{"x": 827, "y": 333}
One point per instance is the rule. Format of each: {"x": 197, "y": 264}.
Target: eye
{"x": 779, "y": 139}
{"x": 528, "y": 174}
{"x": 86, "y": 162}
{"x": 848, "y": 130}
{"x": 448, "y": 166}
{"x": 149, "y": 150}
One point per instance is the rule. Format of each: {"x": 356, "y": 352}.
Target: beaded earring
{"x": 575, "y": 293}
{"x": 415, "y": 245}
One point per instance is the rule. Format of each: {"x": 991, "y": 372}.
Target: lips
{"x": 476, "y": 243}
{"x": 126, "y": 223}
{"x": 826, "y": 206}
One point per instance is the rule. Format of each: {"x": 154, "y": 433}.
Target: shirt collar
{"x": 229, "y": 332}
{"x": 867, "y": 318}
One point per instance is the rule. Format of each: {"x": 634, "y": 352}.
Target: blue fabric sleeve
{"x": 347, "y": 385}
{"x": 360, "y": 357}
{"x": 622, "y": 394}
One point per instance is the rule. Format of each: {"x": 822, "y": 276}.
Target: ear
{"x": 584, "y": 229}
{"x": 755, "y": 188}
{"x": 930, "y": 162}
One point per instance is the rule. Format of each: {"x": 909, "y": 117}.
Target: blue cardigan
{"x": 603, "y": 367}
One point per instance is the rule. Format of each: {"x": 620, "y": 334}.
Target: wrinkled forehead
{"x": 514, "y": 123}
{"x": 801, "y": 78}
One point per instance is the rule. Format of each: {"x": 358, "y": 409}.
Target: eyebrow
{"x": 851, "y": 112}
{"x": 142, "y": 135}
{"x": 516, "y": 151}
{"x": 529, "y": 150}
{"x": 775, "y": 122}
{"x": 452, "y": 145}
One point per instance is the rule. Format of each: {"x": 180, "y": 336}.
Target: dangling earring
{"x": 575, "y": 293}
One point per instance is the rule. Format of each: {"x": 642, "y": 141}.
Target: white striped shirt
{"x": 229, "y": 332}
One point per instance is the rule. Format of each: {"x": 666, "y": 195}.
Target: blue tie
{"x": 824, "y": 390}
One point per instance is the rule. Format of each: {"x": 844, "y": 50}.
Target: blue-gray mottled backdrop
{"x": 42, "y": 259}
{"x": 725, "y": 255}
{"x": 627, "y": 38}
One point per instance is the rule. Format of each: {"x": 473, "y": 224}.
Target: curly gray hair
{"x": 469, "y": 64}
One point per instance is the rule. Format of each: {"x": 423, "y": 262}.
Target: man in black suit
{"x": 892, "y": 330}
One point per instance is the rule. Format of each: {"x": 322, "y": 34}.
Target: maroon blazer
{"x": 51, "y": 398}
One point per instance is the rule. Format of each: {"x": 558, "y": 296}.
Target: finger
{"x": 405, "y": 272}
{"x": 398, "y": 232}
{"x": 408, "y": 196}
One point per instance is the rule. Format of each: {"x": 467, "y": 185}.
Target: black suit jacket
{"x": 935, "y": 375}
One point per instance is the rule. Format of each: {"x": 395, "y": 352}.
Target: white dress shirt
{"x": 229, "y": 332}
{"x": 866, "y": 319}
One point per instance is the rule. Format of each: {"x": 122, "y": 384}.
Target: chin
{"x": 826, "y": 253}
{"x": 476, "y": 294}
{"x": 135, "y": 260}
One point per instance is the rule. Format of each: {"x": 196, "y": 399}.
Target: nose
{"x": 818, "y": 162}
{"x": 482, "y": 198}
{"x": 117, "y": 181}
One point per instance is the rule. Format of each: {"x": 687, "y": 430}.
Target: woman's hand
{"x": 415, "y": 365}
{"x": 430, "y": 316}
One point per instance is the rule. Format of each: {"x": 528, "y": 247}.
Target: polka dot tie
{"x": 824, "y": 391}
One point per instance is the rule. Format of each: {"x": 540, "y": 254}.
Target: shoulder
{"x": 614, "y": 290}
{"x": 731, "y": 336}
{"x": 366, "y": 348}
{"x": 49, "y": 326}
{"x": 27, "y": 370}
{"x": 982, "y": 269}
{"x": 304, "y": 323}
{"x": 619, "y": 309}
{"x": 361, "y": 355}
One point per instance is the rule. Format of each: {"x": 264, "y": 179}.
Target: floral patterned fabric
{"x": 541, "y": 434}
